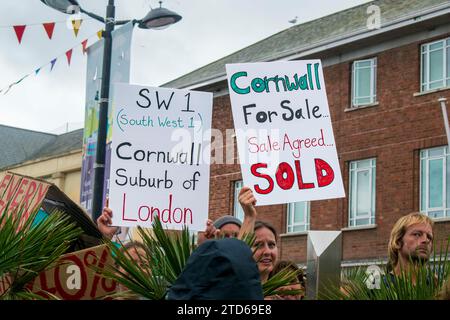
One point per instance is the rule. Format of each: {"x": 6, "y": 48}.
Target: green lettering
{"x": 258, "y": 85}
{"x": 304, "y": 83}
{"x": 293, "y": 85}
{"x": 316, "y": 72}
{"x": 234, "y": 85}
{"x": 308, "y": 66}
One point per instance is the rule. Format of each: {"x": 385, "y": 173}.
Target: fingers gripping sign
{"x": 104, "y": 222}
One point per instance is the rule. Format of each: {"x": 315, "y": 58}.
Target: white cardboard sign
{"x": 160, "y": 156}
{"x": 284, "y": 135}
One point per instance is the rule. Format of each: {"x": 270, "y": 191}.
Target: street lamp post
{"x": 156, "y": 19}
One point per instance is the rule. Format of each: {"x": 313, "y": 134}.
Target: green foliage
{"x": 282, "y": 278}
{"x": 164, "y": 260}
{"x": 27, "y": 250}
{"x": 423, "y": 282}
{"x": 165, "y": 257}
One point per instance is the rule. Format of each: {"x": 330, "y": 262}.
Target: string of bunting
{"x": 52, "y": 63}
{"x": 49, "y": 27}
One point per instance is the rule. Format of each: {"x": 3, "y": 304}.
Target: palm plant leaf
{"x": 27, "y": 250}
{"x": 165, "y": 257}
{"x": 282, "y": 278}
{"x": 420, "y": 283}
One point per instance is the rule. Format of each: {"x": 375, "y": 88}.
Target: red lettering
{"x": 41, "y": 192}
{"x": 287, "y": 182}
{"x": 23, "y": 183}
{"x": 323, "y": 180}
{"x": 167, "y": 211}
{"x": 30, "y": 192}
{"x": 123, "y": 209}
{"x": 4, "y": 184}
{"x": 254, "y": 169}
{"x": 301, "y": 184}
{"x": 66, "y": 295}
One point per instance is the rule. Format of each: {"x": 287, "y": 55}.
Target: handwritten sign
{"x": 20, "y": 192}
{"x": 284, "y": 134}
{"x": 160, "y": 157}
{"x": 74, "y": 276}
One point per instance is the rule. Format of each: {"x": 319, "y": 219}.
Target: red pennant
{"x": 84, "y": 43}
{"x": 19, "y": 32}
{"x": 49, "y": 28}
{"x": 69, "y": 56}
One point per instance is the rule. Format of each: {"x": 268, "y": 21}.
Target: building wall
{"x": 64, "y": 171}
{"x": 393, "y": 132}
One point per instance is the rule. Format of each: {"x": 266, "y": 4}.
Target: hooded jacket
{"x": 221, "y": 269}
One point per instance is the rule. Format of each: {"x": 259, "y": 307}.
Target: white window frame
{"x": 425, "y": 55}
{"x": 373, "y": 82}
{"x": 425, "y": 157}
{"x": 238, "y": 212}
{"x": 352, "y": 202}
{"x": 290, "y": 224}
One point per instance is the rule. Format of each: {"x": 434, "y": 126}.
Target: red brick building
{"x": 386, "y": 64}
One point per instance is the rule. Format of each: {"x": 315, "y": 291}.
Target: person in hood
{"x": 222, "y": 269}
{"x": 229, "y": 226}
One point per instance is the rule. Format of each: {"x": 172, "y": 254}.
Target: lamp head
{"x": 64, "y": 6}
{"x": 159, "y": 18}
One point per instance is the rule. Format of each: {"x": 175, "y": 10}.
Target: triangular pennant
{"x": 69, "y": 56}
{"x": 49, "y": 28}
{"x": 84, "y": 43}
{"x": 100, "y": 34}
{"x": 37, "y": 71}
{"x": 19, "y": 32}
{"x": 76, "y": 25}
{"x": 53, "y": 64}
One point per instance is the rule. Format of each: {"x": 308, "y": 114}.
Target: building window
{"x": 434, "y": 182}
{"x": 362, "y": 192}
{"x": 298, "y": 217}
{"x": 435, "y": 65}
{"x": 238, "y": 212}
{"x": 364, "y": 82}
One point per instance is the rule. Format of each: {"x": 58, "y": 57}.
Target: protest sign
{"x": 76, "y": 276}
{"x": 19, "y": 192}
{"x": 283, "y": 128}
{"x": 160, "y": 157}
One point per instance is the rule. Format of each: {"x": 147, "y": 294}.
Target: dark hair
{"x": 262, "y": 224}
{"x": 285, "y": 264}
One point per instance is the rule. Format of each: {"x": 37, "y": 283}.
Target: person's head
{"x": 297, "y": 284}
{"x": 229, "y": 226}
{"x": 136, "y": 251}
{"x": 266, "y": 250}
{"x": 219, "y": 269}
{"x": 411, "y": 240}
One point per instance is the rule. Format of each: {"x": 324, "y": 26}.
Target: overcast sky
{"x": 209, "y": 30}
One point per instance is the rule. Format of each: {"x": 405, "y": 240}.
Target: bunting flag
{"x": 84, "y": 44}
{"x": 76, "y": 26}
{"x": 68, "y": 53}
{"x": 69, "y": 56}
{"x": 53, "y": 63}
{"x": 49, "y": 28}
{"x": 19, "y": 32}
{"x": 100, "y": 34}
